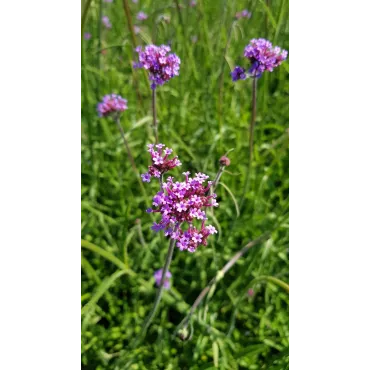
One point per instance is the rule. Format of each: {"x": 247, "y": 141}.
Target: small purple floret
{"x": 105, "y": 20}
{"x": 158, "y": 276}
{"x": 238, "y": 74}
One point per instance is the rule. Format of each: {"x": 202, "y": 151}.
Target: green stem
{"x": 221, "y": 84}
{"x": 155, "y": 126}
{"x": 131, "y": 158}
{"x": 158, "y": 297}
{"x": 251, "y": 140}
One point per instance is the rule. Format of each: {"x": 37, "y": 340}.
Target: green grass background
{"x": 119, "y": 250}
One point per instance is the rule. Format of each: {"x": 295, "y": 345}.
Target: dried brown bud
{"x": 224, "y": 161}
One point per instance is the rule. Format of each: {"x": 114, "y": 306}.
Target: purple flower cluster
{"x": 160, "y": 162}
{"x": 158, "y": 277}
{"x": 243, "y": 14}
{"x": 141, "y": 16}
{"x": 263, "y": 56}
{"x": 111, "y": 103}
{"x": 106, "y": 22}
{"x": 87, "y": 36}
{"x": 182, "y": 202}
{"x": 161, "y": 67}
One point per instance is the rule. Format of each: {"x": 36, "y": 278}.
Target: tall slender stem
{"x": 251, "y": 139}
{"x": 134, "y": 45}
{"x": 131, "y": 159}
{"x": 129, "y": 23}
{"x": 253, "y": 119}
{"x": 217, "y": 178}
{"x": 158, "y": 297}
{"x": 155, "y": 126}
{"x": 221, "y": 84}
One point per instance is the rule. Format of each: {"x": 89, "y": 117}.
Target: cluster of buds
{"x": 160, "y": 161}
{"x": 161, "y": 67}
{"x": 180, "y": 203}
{"x": 111, "y": 104}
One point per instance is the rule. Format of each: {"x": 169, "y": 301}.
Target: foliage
{"x": 231, "y": 329}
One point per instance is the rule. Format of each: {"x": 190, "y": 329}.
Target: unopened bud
{"x": 183, "y": 334}
{"x": 224, "y": 161}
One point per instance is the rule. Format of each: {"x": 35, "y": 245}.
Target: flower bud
{"x": 224, "y": 161}
{"x": 183, "y": 334}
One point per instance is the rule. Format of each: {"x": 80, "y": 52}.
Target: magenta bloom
{"x": 105, "y": 20}
{"x": 87, "y": 36}
{"x": 243, "y": 14}
{"x": 161, "y": 67}
{"x": 160, "y": 162}
{"x": 193, "y": 3}
{"x": 141, "y": 16}
{"x": 137, "y": 29}
{"x": 263, "y": 56}
{"x": 158, "y": 276}
{"x": 111, "y": 104}
{"x": 108, "y": 1}
{"x": 182, "y": 203}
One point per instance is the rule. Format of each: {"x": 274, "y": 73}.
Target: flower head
{"x": 238, "y": 74}
{"x": 183, "y": 203}
{"x": 105, "y": 20}
{"x": 110, "y": 104}
{"x": 263, "y": 56}
{"x": 243, "y": 14}
{"x": 87, "y": 36}
{"x": 141, "y": 16}
{"x": 158, "y": 276}
{"x": 160, "y": 161}
{"x": 161, "y": 65}
{"x": 137, "y": 29}
{"x": 193, "y": 3}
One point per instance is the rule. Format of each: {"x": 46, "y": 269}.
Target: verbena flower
{"x": 110, "y": 104}
{"x": 243, "y": 14}
{"x": 87, "y": 36}
{"x": 141, "y": 16}
{"x": 193, "y": 3}
{"x": 182, "y": 203}
{"x": 263, "y": 56}
{"x": 106, "y": 22}
{"x": 158, "y": 277}
{"x": 136, "y": 29}
{"x": 161, "y": 67}
{"x": 160, "y": 161}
